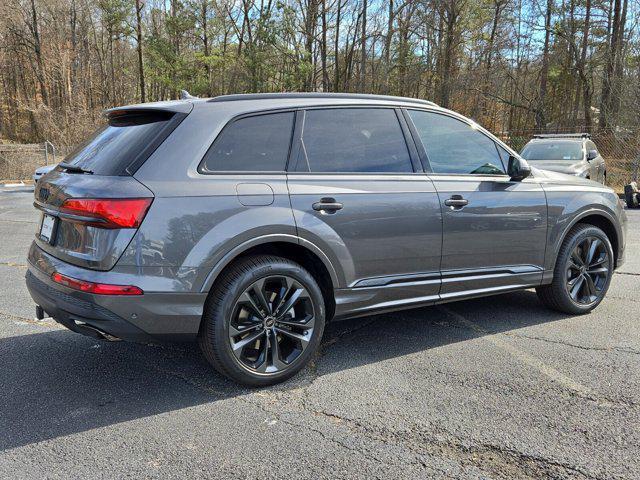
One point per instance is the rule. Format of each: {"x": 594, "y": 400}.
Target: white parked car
{"x": 41, "y": 171}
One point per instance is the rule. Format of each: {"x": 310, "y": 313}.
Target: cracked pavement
{"x": 497, "y": 387}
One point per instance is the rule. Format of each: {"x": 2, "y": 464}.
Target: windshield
{"x": 570, "y": 151}
{"x": 116, "y": 145}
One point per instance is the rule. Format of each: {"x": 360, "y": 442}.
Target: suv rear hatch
{"x": 91, "y": 204}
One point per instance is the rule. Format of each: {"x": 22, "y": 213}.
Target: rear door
{"x": 357, "y": 192}
{"x": 494, "y": 229}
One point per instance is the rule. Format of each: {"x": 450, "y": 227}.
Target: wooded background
{"x": 515, "y": 66}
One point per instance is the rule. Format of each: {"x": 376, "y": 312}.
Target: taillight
{"x": 108, "y": 212}
{"x": 97, "y": 288}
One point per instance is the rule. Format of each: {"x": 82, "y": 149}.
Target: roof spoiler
{"x": 175, "y": 106}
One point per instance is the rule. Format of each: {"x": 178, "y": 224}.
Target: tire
{"x": 558, "y": 294}
{"x": 248, "y": 299}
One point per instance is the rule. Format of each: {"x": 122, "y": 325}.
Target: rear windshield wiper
{"x": 74, "y": 168}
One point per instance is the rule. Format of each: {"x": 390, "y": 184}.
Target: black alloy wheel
{"x": 271, "y": 324}
{"x": 587, "y": 271}
{"x": 263, "y": 320}
{"x": 583, "y": 271}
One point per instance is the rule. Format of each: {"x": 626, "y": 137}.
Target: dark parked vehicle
{"x": 573, "y": 154}
{"x": 247, "y": 222}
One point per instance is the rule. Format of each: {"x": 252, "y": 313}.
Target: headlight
{"x": 583, "y": 173}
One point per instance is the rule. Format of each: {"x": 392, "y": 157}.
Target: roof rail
{"x": 307, "y": 95}
{"x": 563, "y": 135}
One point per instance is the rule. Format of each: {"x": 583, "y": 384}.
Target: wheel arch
{"x": 293, "y": 248}
{"x": 604, "y": 221}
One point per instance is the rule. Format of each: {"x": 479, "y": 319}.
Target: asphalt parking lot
{"x": 492, "y": 388}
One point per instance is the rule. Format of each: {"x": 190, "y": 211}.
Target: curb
{"x": 16, "y": 187}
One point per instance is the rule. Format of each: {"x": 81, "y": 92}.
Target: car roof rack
{"x": 562, "y": 135}
{"x": 308, "y": 95}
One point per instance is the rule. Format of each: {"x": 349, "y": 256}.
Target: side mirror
{"x": 518, "y": 169}
{"x": 592, "y": 155}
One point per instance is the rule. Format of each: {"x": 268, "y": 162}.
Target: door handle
{"x": 328, "y": 205}
{"x": 456, "y": 202}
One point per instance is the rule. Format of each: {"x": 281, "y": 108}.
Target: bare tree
{"x": 139, "y": 7}
{"x": 544, "y": 71}
{"x": 511, "y": 64}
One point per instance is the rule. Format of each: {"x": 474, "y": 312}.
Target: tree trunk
{"x": 544, "y": 71}
{"x": 451, "y": 17}
{"x": 204, "y": 12}
{"x": 363, "y": 46}
{"x": 609, "y": 80}
{"x": 37, "y": 47}
{"x": 573, "y": 82}
{"x": 498, "y": 6}
{"x": 619, "y": 63}
{"x": 309, "y": 36}
{"x": 586, "y": 88}
{"x": 336, "y": 49}
{"x": 387, "y": 47}
{"x": 323, "y": 49}
{"x": 139, "y": 7}
{"x": 73, "y": 21}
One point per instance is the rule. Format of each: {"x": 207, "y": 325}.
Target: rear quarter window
{"x": 257, "y": 143}
{"x": 124, "y": 142}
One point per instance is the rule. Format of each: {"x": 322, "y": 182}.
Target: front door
{"x": 494, "y": 229}
{"x": 355, "y": 193}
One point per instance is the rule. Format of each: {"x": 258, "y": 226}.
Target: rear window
{"x": 124, "y": 141}
{"x": 570, "y": 151}
{"x": 258, "y": 143}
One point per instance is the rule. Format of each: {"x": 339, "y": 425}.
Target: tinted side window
{"x": 353, "y": 140}
{"x": 455, "y": 147}
{"x": 258, "y": 143}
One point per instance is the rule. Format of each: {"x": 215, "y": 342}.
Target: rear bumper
{"x": 154, "y": 316}
{"x": 82, "y": 315}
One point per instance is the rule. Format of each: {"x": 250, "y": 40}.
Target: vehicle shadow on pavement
{"x": 59, "y": 383}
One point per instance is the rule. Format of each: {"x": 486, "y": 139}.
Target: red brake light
{"x": 109, "y": 212}
{"x": 97, "y": 288}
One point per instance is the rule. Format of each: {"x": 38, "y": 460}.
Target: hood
{"x": 562, "y": 166}
{"x": 549, "y": 176}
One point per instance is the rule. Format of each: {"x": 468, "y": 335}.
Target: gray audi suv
{"x": 247, "y": 222}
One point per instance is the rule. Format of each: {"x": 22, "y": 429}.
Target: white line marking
{"x": 524, "y": 357}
